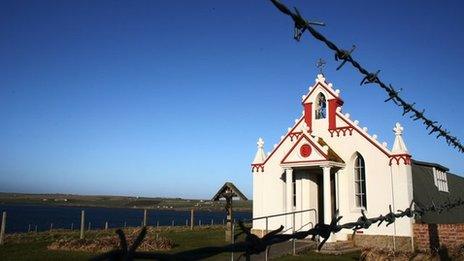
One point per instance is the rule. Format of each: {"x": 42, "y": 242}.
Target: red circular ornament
{"x": 305, "y": 150}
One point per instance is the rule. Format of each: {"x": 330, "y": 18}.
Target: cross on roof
{"x": 320, "y": 64}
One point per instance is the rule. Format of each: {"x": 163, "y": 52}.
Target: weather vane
{"x": 320, "y": 64}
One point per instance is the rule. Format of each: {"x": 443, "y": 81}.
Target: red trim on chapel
{"x": 308, "y": 114}
{"x": 398, "y": 157}
{"x": 333, "y": 105}
{"x": 257, "y": 167}
{"x": 312, "y": 145}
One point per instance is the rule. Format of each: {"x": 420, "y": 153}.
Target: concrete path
{"x": 281, "y": 249}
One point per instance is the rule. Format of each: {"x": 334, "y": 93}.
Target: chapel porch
{"x": 311, "y": 186}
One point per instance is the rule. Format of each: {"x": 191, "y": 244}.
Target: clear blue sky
{"x": 168, "y": 98}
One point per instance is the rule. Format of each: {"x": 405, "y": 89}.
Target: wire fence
{"x": 253, "y": 245}
{"x": 302, "y": 25}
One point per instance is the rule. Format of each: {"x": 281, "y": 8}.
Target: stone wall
{"x": 400, "y": 243}
{"x": 429, "y": 237}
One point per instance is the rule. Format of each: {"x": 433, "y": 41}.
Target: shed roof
{"x": 230, "y": 188}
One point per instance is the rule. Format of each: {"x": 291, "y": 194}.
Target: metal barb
{"x": 344, "y": 55}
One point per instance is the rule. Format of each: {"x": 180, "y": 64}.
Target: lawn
{"x": 33, "y": 246}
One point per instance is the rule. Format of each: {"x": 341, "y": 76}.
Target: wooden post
{"x": 82, "y": 224}
{"x": 229, "y": 218}
{"x": 106, "y": 225}
{"x": 2, "y": 229}
{"x": 145, "y": 217}
{"x": 191, "y": 218}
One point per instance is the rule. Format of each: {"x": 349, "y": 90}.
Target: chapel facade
{"x": 327, "y": 162}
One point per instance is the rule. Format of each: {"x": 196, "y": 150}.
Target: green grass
{"x": 33, "y": 246}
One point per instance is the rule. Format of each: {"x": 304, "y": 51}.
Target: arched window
{"x": 320, "y": 106}
{"x": 360, "y": 181}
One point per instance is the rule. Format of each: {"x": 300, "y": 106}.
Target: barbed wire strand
{"x": 253, "y": 244}
{"x": 345, "y": 56}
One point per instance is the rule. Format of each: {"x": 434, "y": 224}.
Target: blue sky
{"x": 168, "y": 98}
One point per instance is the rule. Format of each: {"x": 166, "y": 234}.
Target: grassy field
{"x": 120, "y": 201}
{"x": 33, "y": 246}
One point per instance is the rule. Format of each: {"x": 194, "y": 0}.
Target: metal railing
{"x": 293, "y": 227}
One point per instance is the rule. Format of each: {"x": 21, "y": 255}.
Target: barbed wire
{"x": 345, "y": 56}
{"x": 253, "y": 245}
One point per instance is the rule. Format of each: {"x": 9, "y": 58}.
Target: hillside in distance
{"x": 158, "y": 203}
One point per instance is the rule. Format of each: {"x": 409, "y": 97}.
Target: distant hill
{"x": 119, "y": 201}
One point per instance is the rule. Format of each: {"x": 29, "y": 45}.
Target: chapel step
{"x": 339, "y": 247}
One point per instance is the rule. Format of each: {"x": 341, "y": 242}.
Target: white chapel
{"x": 327, "y": 162}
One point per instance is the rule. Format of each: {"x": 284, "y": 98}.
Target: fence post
{"x": 145, "y": 217}
{"x": 232, "y": 239}
{"x": 191, "y": 218}
{"x": 82, "y": 224}
{"x": 106, "y": 225}
{"x": 2, "y": 229}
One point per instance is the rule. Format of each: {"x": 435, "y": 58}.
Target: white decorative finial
{"x": 398, "y": 129}
{"x": 260, "y": 156}
{"x": 399, "y": 147}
